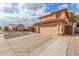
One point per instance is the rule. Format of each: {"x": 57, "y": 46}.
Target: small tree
{"x": 32, "y": 29}
{"x": 6, "y": 28}
{"x": 0, "y": 28}
{"x": 73, "y": 18}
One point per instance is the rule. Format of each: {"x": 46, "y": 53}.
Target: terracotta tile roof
{"x": 51, "y": 21}
{"x": 66, "y": 11}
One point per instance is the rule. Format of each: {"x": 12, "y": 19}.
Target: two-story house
{"x": 53, "y": 23}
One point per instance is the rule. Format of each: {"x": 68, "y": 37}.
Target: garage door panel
{"x": 49, "y": 30}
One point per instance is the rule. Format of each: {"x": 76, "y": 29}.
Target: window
{"x": 49, "y": 25}
{"x": 54, "y": 25}
{"x": 58, "y": 15}
{"x": 45, "y": 25}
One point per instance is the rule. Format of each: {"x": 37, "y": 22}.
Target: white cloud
{"x": 77, "y": 5}
{"x": 41, "y": 11}
{"x": 26, "y": 11}
{"x": 63, "y": 6}
{"x": 3, "y": 15}
{"x": 3, "y": 5}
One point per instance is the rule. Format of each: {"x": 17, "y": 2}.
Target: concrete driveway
{"x": 57, "y": 48}
{"x": 39, "y": 45}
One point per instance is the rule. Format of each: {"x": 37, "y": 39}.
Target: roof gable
{"x": 49, "y": 19}
{"x": 63, "y": 10}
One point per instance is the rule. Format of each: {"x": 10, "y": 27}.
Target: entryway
{"x": 68, "y": 30}
{"x": 76, "y": 29}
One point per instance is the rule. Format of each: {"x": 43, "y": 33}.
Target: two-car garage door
{"x": 49, "y": 29}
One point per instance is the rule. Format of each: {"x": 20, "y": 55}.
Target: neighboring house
{"x": 54, "y": 23}
{"x": 26, "y": 28}
{"x": 16, "y": 27}
{"x": 3, "y": 30}
{"x": 20, "y": 27}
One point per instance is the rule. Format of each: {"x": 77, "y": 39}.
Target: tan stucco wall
{"x": 51, "y": 29}
{"x": 49, "y": 17}
{"x": 36, "y": 28}
{"x": 63, "y": 15}
{"x": 60, "y": 29}
{"x": 53, "y": 16}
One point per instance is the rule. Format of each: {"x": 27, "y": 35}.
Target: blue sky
{"x": 28, "y": 13}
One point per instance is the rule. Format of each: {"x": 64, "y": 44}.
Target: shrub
{"x": 0, "y": 28}
{"x": 6, "y": 28}
{"x": 32, "y": 29}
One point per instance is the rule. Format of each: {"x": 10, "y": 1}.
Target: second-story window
{"x": 45, "y": 25}
{"x": 58, "y": 15}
